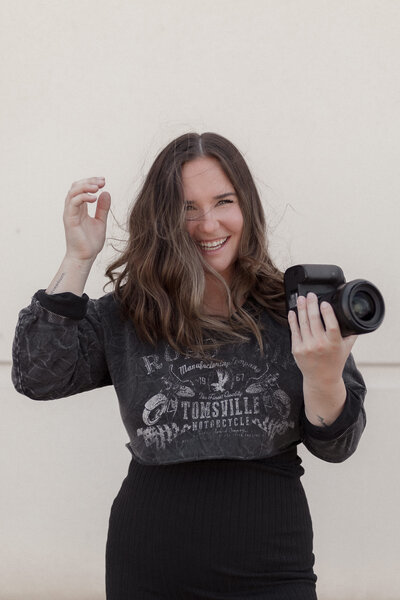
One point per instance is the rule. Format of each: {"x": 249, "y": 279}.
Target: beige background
{"x": 309, "y": 91}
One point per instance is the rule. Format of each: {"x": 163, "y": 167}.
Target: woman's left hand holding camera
{"x": 320, "y": 353}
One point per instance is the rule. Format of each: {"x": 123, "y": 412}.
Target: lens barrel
{"x": 363, "y": 306}
{"x": 359, "y": 307}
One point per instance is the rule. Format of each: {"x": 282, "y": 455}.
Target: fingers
{"x": 302, "y": 316}
{"x": 309, "y": 317}
{"x": 318, "y": 351}
{"x": 84, "y": 191}
{"x": 332, "y": 328}
{"x": 294, "y": 328}
{"x": 309, "y": 325}
{"x": 82, "y": 183}
{"x": 316, "y": 327}
{"x": 103, "y": 206}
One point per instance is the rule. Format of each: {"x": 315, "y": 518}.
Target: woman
{"x": 217, "y": 385}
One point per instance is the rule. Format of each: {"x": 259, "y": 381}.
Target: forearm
{"x": 323, "y": 401}
{"x": 70, "y": 277}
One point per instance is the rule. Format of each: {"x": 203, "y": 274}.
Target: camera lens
{"x": 363, "y": 306}
{"x": 359, "y": 307}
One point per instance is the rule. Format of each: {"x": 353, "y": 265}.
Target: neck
{"x": 215, "y": 300}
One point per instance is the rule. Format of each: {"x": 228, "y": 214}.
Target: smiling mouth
{"x": 212, "y": 246}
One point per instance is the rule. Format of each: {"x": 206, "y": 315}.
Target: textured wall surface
{"x": 309, "y": 92}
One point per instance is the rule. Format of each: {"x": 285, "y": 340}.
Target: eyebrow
{"x": 224, "y": 195}
{"x": 219, "y": 197}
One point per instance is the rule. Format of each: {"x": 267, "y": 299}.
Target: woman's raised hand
{"x": 85, "y": 235}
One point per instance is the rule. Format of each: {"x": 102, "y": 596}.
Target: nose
{"x": 208, "y": 223}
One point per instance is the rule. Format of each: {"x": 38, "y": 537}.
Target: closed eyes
{"x": 192, "y": 205}
{"x": 193, "y": 213}
{"x": 222, "y": 199}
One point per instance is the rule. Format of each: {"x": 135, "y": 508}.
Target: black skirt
{"x": 211, "y": 530}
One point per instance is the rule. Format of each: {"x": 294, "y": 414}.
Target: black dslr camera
{"x": 358, "y": 304}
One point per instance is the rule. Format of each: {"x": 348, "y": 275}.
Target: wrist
{"x": 71, "y": 276}
{"x": 323, "y": 383}
{"x": 82, "y": 264}
{"x": 323, "y": 402}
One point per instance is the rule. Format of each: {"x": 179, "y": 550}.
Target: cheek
{"x": 237, "y": 224}
{"x": 189, "y": 227}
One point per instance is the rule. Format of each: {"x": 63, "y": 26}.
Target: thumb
{"x": 103, "y": 206}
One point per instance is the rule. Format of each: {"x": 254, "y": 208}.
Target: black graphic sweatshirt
{"x": 176, "y": 408}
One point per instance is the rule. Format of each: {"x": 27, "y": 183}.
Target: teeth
{"x": 213, "y": 245}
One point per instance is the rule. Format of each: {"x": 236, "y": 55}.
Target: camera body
{"x": 358, "y": 305}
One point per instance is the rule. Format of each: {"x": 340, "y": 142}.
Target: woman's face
{"x": 213, "y": 216}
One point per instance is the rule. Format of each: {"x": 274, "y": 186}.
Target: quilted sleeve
{"x": 338, "y": 441}
{"x": 58, "y": 347}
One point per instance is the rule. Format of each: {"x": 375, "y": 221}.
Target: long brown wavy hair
{"x": 159, "y": 278}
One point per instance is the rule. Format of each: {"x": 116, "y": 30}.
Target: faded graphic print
{"x": 232, "y": 397}
{"x": 276, "y": 403}
{"x": 168, "y": 401}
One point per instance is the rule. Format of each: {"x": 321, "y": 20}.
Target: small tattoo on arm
{"x": 322, "y": 421}
{"x": 57, "y": 283}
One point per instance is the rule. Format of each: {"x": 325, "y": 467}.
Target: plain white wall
{"x": 309, "y": 91}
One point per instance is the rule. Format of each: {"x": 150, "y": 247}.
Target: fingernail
{"x": 301, "y": 300}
